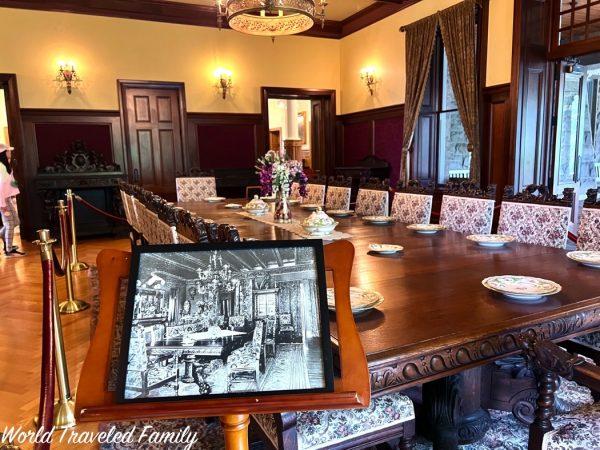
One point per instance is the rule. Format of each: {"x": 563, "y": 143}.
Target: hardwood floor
{"x": 20, "y": 332}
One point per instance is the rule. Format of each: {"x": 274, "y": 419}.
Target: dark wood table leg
{"x": 453, "y": 414}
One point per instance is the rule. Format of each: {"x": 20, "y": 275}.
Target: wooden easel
{"x": 94, "y": 402}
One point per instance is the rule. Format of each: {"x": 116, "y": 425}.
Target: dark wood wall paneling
{"x": 373, "y": 132}
{"x": 224, "y": 140}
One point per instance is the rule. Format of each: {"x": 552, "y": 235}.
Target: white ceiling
{"x": 337, "y": 9}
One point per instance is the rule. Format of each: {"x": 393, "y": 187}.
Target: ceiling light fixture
{"x": 271, "y": 17}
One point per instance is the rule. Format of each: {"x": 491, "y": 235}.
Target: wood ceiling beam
{"x": 201, "y": 15}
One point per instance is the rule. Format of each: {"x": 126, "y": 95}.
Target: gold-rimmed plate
{"x": 214, "y": 199}
{"x": 340, "y": 212}
{"x": 426, "y": 228}
{"x": 385, "y": 249}
{"x": 586, "y": 257}
{"x": 522, "y": 288}
{"x": 491, "y": 240}
{"x": 361, "y": 300}
{"x": 310, "y": 206}
{"x": 379, "y": 220}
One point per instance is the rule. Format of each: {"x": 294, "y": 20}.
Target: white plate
{"x": 491, "y": 240}
{"x": 426, "y": 228}
{"x": 340, "y": 212}
{"x": 385, "y": 249}
{"x": 587, "y": 258}
{"x": 233, "y": 206}
{"x": 521, "y": 287}
{"x": 379, "y": 220}
{"x": 293, "y": 201}
{"x": 310, "y": 206}
{"x": 268, "y": 199}
{"x": 214, "y": 199}
{"x": 361, "y": 300}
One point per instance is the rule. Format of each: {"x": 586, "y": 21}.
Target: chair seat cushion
{"x": 591, "y": 339}
{"x": 576, "y": 431}
{"x": 317, "y": 429}
{"x": 208, "y": 432}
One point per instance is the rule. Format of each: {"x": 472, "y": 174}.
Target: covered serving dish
{"x": 319, "y": 223}
{"x": 256, "y": 206}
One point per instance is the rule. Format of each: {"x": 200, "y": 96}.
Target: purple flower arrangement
{"x": 276, "y": 173}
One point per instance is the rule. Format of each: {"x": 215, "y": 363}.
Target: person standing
{"x": 8, "y": 210}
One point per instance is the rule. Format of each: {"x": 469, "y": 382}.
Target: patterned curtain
{"x": 458, "y": 25}
{"x": 420, "y": 40}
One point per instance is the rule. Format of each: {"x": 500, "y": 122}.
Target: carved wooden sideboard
{"x": 84, "y": 172}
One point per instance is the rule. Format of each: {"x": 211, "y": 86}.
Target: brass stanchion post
{"x": 76, "y": 265}
{"x": 71, "y": 304}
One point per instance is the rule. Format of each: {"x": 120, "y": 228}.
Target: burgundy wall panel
{"x": 230, "y": 146}
{"x": 357, "y": 142}
{"x": 54, "y": 138}
{"x": 388, "y": 143}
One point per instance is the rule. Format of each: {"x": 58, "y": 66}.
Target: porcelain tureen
{"x": 319, "y": 223}
{"x": 256, "y": 206}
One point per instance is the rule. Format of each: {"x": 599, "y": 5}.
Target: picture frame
{"x": 206, "y": 321}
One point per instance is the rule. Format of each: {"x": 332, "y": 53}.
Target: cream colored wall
{"x": 3, "y": 120}
{"x": 106, "y": 49}
{"x": 381, "y": 45}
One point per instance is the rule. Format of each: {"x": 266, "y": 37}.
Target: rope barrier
{"x": 98, "y": 210}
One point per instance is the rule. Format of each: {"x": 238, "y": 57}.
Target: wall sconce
{"x": 67, "y": 76}
{"x": 223, "y": 81}
{"x": 367, "y": 75}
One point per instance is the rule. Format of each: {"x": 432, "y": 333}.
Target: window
{"x": 578, "y": 20}
{"x": 441, "y": 145}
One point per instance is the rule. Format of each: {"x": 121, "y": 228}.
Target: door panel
{"x": 154, "y": 132}
{"x": 318, "y": 157}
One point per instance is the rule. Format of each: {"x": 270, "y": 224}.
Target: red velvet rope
{"x": 98, "y": 210}
{"x": 46, "y": 408}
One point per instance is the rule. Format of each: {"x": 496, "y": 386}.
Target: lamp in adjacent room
{"x": 67, "y": 76}
{"x": 367, "y": 75}
{"x": 224, "y": 81}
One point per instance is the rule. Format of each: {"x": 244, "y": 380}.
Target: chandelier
{"x": 271, "y": 17}
{"x": 216, "y": 276}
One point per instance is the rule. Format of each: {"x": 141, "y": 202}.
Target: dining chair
{"x": 339, "y": 191}
{"x": 315, "y": 194}
{"x": 373, "y": 198}
{"x": 244, "y": 364}
{"x": 589, "y": 223}
{"x": 389, "y": 418}
{"x": 536, "y": 217}
{"x": 580, "y": 429}
{"x": 195, "y": 189}
{"x": 468, "y": 209}
{"x": 412, "y": 203}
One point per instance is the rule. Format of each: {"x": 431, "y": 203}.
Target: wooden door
{"x": 317, "y": 136}
{"x": 154, "y": 129}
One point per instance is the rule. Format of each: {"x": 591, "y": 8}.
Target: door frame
{"x": 8, "y": 81}
{"x": 290, "y": 93}
{"x": 179, "y": 86}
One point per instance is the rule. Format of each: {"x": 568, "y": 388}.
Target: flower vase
{"x": 283, "y": 213}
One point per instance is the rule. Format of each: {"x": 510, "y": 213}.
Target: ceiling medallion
{"x": 271, "y": 17}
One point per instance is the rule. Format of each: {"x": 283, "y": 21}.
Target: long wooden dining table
{"x": 438, "y": 325}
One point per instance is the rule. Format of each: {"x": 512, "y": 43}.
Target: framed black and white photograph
{"x": 227, "y": 320}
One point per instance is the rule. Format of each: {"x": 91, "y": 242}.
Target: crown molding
{"x": 200, "y": 15}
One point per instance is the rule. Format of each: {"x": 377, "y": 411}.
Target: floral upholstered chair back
{"x": 468, "y": 209}
{"x": 412, "y": 203}
{"x": 535, "y": 217}
{"x": 371, "y": 202}
{"x": 315, "y": 194}
{"x": 195, "y": 189}
{"x": 589, "y": 223}
{"x": 338, "y": 197}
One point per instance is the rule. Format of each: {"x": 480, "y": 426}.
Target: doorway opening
{"x": 577, "y": 127}
{"x": 301, "y": 122}
{"x": 11, "y": 134}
